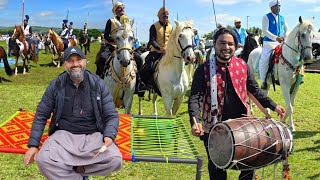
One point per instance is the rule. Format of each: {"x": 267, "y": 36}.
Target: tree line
{"x": 251, "y": 30}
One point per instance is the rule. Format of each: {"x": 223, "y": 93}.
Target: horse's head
{"x": 304, "y": 38}
{"x": 124, "y": 41}
{"x": 50, "y": 34}
{"x": 18, "y": 32}
{"x": 182, "y": 37}
{"x": 202, "y": 46}
{"x": 251, "y": 42}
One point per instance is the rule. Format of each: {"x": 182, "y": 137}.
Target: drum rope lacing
{"x": 235, "y": 162}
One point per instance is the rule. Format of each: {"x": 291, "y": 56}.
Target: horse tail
{"x": 6, "y": 63}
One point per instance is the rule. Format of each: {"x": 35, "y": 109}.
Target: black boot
{"x": 264, "y": 85}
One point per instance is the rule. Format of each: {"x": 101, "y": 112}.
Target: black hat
{"x": 72, "y": 50}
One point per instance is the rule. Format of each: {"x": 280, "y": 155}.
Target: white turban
{"x": 274, "y": 2}
{"x": 237, "y": 20}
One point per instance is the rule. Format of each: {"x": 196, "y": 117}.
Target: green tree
{"x": 94, "y": 33}
{"x": 76, "y": 32}
{"x": 255, "y": 29}
{"x": 208, "y": 36}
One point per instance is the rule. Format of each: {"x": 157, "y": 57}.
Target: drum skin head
{"x": 248, "y": 143}
{"x": 220, "y": 145}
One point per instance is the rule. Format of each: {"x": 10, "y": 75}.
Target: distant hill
{"x": 38, "y": 29}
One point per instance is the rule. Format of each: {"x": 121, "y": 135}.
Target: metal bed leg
{"x": 199, "y": 167}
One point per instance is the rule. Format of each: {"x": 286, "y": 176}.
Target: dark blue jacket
{"x": 52, "y": 101}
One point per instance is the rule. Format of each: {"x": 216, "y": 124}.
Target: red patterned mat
{"x": 14, "y": 134}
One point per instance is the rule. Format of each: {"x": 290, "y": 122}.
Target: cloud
{"x": 315, "y": 9}
{"x": 3, "y": 2}
{"x": 226, "y": 19}
{"x": 46, "y": 13}
{"x": 308, "y": 1}
{"x": 231, "y": 2}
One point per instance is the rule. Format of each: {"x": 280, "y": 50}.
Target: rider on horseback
{"x": 196, "y": 38}
{"x": 27, "y": 31}
{"x": 240, "y": 32}
{"x": 70, "y": 30}
{"x": 109, "y": 36}
{"x": 110, "y": 44}
{"x": 65, "y": 33}
{"x": 85, "y": 31}
{"x": 275, "y": 33}
{"x": 158, "y": 40}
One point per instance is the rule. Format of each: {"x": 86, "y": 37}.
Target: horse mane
{"x": 127, "y": 29}
{"x": 173, "y": 41}
{"x": 55, "y": 35}
{"x": 19, "y": 29}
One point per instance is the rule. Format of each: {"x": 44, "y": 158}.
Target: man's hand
{"x": 281, "y": 111}
{"x": 107, "y": 141}
{"x": 197, "y": 130}
{"x": 163, "y": 50}
{"x": 279, "y": 39}
{"x": 30, "y": 155}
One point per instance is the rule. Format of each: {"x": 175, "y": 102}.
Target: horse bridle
{"x": 299, "y": 44}
{"x": 16, "y": 36}
{"x": 118, "y": 50}
{"x": 185, "y": 48}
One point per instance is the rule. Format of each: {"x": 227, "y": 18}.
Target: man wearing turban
{"x": 274, "y": 28}
{"x": 65, "y": 34}
{"x": 27, "y": 31}
{"x": 110, "y": 44}
{"x": 159, "y": 34}
{"x": 70, "y": 30}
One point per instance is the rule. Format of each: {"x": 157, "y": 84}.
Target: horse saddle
{"x": 274, "y": 59}
{"x": 147, "y": 76}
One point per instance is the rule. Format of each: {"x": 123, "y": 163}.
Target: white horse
{"x": 200, "y": 54}
{"x": 295, "y": 49}
{"x": 170, "y": 74}
{"x": 121, "y": 76}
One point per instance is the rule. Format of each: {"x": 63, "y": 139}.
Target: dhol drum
{"x": 248, "y": 143}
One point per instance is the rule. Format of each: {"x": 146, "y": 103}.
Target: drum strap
{"x": 213, "y": 90}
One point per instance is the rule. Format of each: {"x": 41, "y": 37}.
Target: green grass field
{"x": 25, "y": 91}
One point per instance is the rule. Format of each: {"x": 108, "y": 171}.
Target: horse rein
{"x": 292, "y": 67}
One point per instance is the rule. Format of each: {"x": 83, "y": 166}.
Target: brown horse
{"x": 3, "y": 57}
{"x": 18, "y": 34}
{"x": 34, "y": 56}
{"x": 58, "y": 46}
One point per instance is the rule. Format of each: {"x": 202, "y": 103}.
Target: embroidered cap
{"x": 72, "y": 50}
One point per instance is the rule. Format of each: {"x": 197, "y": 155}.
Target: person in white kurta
{"x": 275, "y": 29}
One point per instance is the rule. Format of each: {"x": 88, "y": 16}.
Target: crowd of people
{"x": 88, "y": 124}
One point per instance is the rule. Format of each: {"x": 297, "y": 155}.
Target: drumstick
{"x": 195, "y": 122}
{"x": 101, "y": 150}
